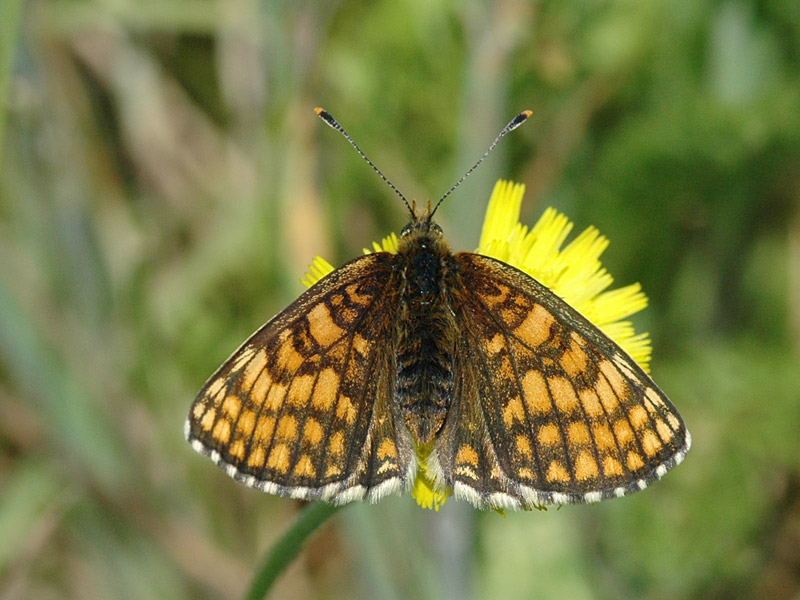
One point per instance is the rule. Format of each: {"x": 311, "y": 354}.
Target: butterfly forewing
{"x": 565, "y": 414}
{"x": 303, "y": 408}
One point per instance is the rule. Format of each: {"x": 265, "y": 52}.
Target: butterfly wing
{"x": 550, "y": 410}
{"x": 303, "y": 408}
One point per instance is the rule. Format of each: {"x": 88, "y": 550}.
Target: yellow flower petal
{"x": 388, "y": 244}
{"x": 316, "y": 271}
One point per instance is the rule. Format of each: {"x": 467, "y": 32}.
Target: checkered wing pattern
{"x": 303, "y": 408}
{"x": 549, "y": 410}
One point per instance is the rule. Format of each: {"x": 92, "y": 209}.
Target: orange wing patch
{"x": 323, "y": 329}
{"x": 535, "y": 330}
{"x": 537, "y": 394}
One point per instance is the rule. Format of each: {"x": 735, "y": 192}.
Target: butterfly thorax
{"x": 425, "y": 341}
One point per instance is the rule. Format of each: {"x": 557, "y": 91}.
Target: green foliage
{"x": 164, "y": 182}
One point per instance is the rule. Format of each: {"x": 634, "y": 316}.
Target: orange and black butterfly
{"x": 520, "y": 400}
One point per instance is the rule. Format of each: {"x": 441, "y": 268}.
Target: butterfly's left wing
{"x": 303, "y": 409}
{"x": 548, "y": 410}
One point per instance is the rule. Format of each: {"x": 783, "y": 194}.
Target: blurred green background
{"x": 164, "y": 183}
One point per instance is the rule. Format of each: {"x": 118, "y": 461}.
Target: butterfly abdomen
{"x": 425, "y": 343}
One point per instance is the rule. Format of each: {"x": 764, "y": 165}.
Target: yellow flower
{"x": 573, "y": 272}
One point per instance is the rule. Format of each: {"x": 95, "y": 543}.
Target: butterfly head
{"x": 421, "y": 226}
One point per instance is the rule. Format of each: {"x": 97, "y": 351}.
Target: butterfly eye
{"x": 406, "y": 230}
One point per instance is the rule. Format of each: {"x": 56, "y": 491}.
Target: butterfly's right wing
{"x": 549, "y": 410}
{"x": 303, "y": 408}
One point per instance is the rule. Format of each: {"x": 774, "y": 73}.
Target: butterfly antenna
{"x": 512, "y": 125}
{"x": 328, "y": 118}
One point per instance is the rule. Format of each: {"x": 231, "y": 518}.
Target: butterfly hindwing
{"x": 568, "y": 416}
{"x": 465, "y": 454}
{"x": 303, "y": 408}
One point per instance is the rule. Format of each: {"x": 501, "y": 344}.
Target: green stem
{"x": 288, "y": 547}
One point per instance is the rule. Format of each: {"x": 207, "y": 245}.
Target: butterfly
{"x": 518, "y": 400}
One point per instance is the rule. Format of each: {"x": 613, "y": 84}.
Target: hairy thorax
{"x": 426, "y": 339}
